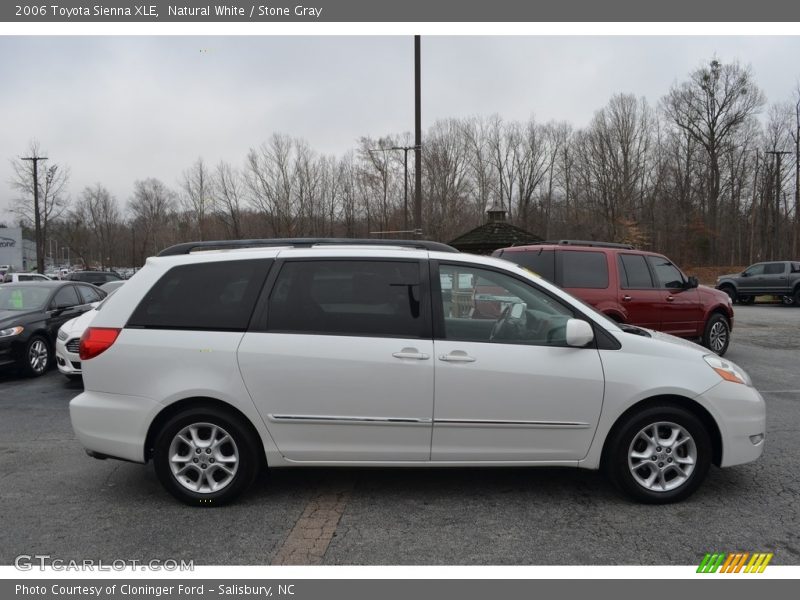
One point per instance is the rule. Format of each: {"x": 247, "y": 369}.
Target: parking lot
{"x": 57, "y": 501}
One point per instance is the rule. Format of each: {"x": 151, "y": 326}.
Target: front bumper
{"x": 69, "y": 363}
{"x": 740, "y": 413}
{"x": 113, "y": 425}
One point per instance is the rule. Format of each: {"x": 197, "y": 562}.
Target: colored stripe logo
{"x": 735, "y": 562}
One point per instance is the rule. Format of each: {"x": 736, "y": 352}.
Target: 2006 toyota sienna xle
{"x": 219, "y": 359}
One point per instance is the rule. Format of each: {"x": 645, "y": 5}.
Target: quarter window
{"x": 214, "y": 296}
{"x": 89, "y": 294}
{"x": 356, "y": 298}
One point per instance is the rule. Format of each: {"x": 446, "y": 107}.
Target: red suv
{"x": 631, "y": 286}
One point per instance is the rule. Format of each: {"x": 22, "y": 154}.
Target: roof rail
{"x": 585, "y": 243}
{"x": 188, "y": 247}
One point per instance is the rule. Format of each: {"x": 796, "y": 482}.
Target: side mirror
{"x": 745, "y": 274}
{"x": 579, "y": 333}
{"x": 692, "y": 283}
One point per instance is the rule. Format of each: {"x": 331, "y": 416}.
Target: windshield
{"x": 32, "y": 297}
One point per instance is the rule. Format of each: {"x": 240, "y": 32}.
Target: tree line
{"x": 710, "y": 175}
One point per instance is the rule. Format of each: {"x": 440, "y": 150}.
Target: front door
{"x": 341, "y": 369}
{"x": 680, "y": 307}
{"x": 508, "y": 388}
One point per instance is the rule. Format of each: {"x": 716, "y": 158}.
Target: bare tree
{"x": 715, "y": 101}
{"x": 152, "y": 208}
{"x": 229, "y": 194}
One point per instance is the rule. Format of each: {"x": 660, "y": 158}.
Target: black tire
{"x": 717, "y": 334}
{"x": 728, "y": 289}
{"x": 244, "y": 444}
{"x": 620, "y": 467}
{"x": 37, "y": 357}
{"x": 747, "y": 299}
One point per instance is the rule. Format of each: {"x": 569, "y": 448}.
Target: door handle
{"x": 670, "y": 298}
{"x": 626, "y": 298}
{"x": 457, "y": 356}
{"x": 411, "y": 353}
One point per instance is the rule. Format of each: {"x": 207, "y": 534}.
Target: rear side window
{"x": 216, "y": 296}
{"x": 541, "y": 262}
{"x": 633, "y": 272}
{"x": 774, "y": 268}
{"x": 584, "y": 270}
{"x": 366, "y": 298}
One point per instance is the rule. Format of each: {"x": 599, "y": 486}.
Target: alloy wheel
{"x": 662, "y": 456}
{"x": 203, "y": 458}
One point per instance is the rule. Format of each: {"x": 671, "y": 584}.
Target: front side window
{"x": 754, "y": 270}
{"x": 349, "y": 297}
{"x": 488, "y": 306}
{"x": 584, "y": 270}
{"x": 66, "y": 297}
{"x": 214, "y": 296}
{"x": 666, "y": 273}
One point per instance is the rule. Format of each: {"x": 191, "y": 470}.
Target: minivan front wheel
{"x": 205, "y": 457}
{"x": 717, "y": 334}
{"x": 659, "y": 455}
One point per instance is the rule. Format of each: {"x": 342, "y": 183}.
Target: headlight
{"x": 62, "y": 335}
{"x": 11, "y": 331}
{"x": 727, "y": 370}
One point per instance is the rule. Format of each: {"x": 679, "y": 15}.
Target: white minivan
{"x": 221, "y": 358}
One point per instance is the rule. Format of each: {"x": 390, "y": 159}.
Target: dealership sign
{"x": 7, "y": 242}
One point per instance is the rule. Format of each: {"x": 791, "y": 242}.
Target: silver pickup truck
{"x": 776, "y": 278}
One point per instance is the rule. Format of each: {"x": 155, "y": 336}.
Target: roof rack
{"x": 188, "y": 247}
{"x": 584, "y": 243}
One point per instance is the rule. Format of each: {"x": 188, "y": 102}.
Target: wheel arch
{"x": 688, "y": 404}
{"x": 195, "y": 402}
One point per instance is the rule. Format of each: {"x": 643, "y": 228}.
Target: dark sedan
{"x": 30, "y": 315}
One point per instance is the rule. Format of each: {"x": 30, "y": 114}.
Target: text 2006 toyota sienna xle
{"x": 216, "y": 362}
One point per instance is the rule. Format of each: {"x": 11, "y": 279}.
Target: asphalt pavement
{"x": 55, "y": 500}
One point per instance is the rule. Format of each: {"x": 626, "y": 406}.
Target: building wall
{"x": 16, "y": 251}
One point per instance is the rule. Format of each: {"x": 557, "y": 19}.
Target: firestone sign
{"x": 7, "y": 242}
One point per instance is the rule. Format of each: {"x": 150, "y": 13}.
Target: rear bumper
{"x": 740, "y": 413}
{"x": 112, "y": 425}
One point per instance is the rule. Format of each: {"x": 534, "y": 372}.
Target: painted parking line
{"x": 308, "y": 540}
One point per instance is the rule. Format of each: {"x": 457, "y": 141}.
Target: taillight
{"x": 96, "y": 340}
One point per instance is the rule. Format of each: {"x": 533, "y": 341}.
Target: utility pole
{"x": 36, "y": 217}
{"x": 417, "y": 137}
{"x": 776, "y": 245}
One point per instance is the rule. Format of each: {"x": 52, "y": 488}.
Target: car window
{"x": 755, "y": 270}
{"x": 498, "y": 308}
{"x": 541, "y": 262}
{"x": 212, "y": 296}
{"x": 634, "y": 273}
{"x": 774, "y": 268}
{"x": 66, "y": 297}
{"x": 357, "y": 297}
{"x": 584, "y": 270}
{"x": 667, "y": 274}
{"x": 24, "y": 298}
{"x": 90, "y": 294}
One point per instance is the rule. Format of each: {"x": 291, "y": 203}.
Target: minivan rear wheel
{"x": 659, "y": 455}
{"x": 205, "y": 456}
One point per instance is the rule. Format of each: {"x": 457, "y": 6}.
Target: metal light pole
{"x": 417, "y": 137}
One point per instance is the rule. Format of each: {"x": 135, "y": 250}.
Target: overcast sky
{"x": 118, "y": 109}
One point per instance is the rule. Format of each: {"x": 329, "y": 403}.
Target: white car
{"x": 69, "y": 336}
{"x": 216, "y": 360}
{"x": 23, "y": 277}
